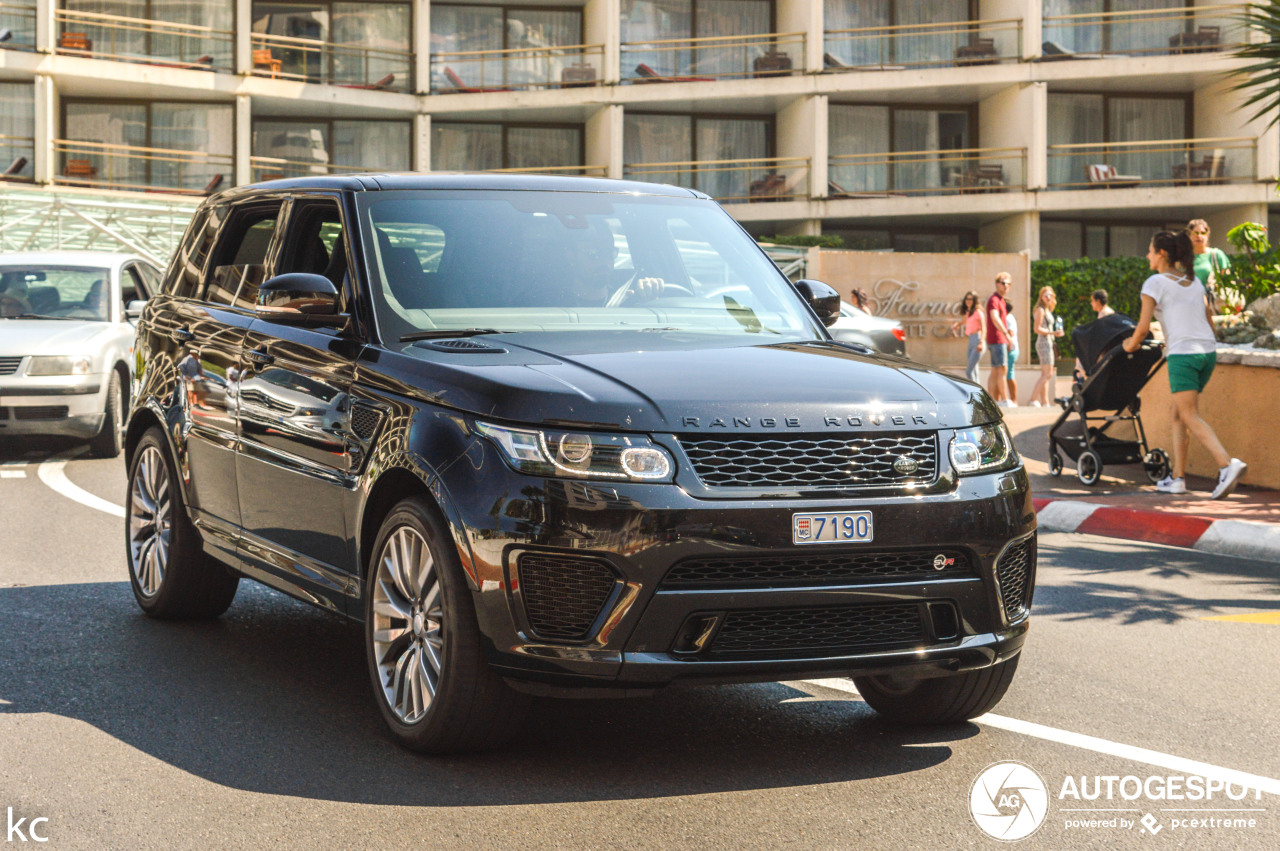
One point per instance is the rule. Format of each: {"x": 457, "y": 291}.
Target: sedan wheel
{"x": 408, "y": 621}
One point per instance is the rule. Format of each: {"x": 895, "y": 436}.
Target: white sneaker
{"x": 1035, "y": 403}
{"x": 1228, "y": 476}
{"x": 1171, "y": 485}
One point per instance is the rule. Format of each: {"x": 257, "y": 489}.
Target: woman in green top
{"x": 1208, "y": 261}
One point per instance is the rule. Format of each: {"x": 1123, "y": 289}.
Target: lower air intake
{"x": 563, "y": 596}
{"x": 826, "y": 630}
{"x": 1013, "y": 575}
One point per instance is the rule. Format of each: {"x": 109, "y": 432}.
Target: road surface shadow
{"x": 275, "y": 698}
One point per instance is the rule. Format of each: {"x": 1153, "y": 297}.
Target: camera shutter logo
{"x": 1008, "y": 801}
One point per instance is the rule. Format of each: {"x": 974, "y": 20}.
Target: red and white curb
{"x": 1241, "y": 538}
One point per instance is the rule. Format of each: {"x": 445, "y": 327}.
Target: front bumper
{"x": 641, "y": 638}
{"x": 70, "y": 405}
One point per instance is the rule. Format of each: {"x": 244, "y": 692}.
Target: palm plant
{"x": 1262, "y": 78}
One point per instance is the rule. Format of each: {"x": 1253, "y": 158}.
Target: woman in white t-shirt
{"x": 1190, "y": 354}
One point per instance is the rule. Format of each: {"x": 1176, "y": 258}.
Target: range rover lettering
{"x": 563, "y": 437}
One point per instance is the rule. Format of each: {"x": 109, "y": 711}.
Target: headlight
{"x": 983, "y": 449}
{"x": 580, "y": 454}
{"x": 60, "y": 366}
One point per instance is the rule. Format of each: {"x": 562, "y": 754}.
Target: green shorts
{"x": 1190, "y": 372}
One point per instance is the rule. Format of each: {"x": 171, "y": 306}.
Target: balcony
{"x": 122, "y": 39}
{"x": 1168, "y": 162}
{"x": 923, "y": 45}
{"x": 1193, "y": 29}
{"x": 107, "y": 166}
{"x": 559, "y": 67}
{"x": 20, "y": 20}
{"x": 956, "y": 172}
{"x": 563, "y": 170}
{"x": 685, "y": 60}
{"x": 731, "y": 181}
{"x": 17, "y": 154}
{"x": 351, "y": 65}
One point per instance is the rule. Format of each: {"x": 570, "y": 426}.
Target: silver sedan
{"x": 67, "y": 343}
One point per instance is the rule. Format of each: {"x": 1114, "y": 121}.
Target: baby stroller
{"x": 1112, "y": 380}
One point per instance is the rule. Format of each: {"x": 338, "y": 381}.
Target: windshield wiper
{"x": 37, "y": 316}
{"x": 440, "y": 333}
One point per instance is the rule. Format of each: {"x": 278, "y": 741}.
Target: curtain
{"x": 540, "y": 147}
{"x": 928, "y": 130}
{"x": 376, "y": 145}
{"x": 730, "y": 139}
{"x": 191, "y": 127}
{"x": 304, "y": 144}
{"x": 857, "y": 48}
{"x": 461, "y": 29}
{"x": 1149, "y": 118}
{"x": 123, "y": 124}
{"x": 858, "y": 130}
{"x": 108, "y": 40}
{"x": 1073, "y": 36}
{"x": 377, "y": 26}
{"x": 541, "y": 28}
{"x": 17, "y": 118}
{"x": 658, "y": 139}
{"x": 929, "y": 48}
{"x": 1073, "y": 120}
{"x": 216, "y": 14}
{"x": 656, "y": 20}
{"x": 1138, "y": 34}
{"x": 730, "y": 18}
{"x": 295, "y": 20}
{"x": 465, "y": 147}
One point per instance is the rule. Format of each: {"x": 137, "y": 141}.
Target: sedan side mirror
{"x": 823, "y": 299}
{"x": 133, "y": 310}
{"x": 298, "y": 297}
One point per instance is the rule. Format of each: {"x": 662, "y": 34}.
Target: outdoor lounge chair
{"x": 15, "y": 168}
{"x": 456, "y": 82}
{"x": 1105, "y": 175}
{"x": 646, "y": 74}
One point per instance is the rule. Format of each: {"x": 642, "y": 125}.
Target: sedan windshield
{"x": 445, "y": 261}
{"x": 54, "y": 292}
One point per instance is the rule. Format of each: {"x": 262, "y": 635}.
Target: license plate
{"x": 850, "y": 527}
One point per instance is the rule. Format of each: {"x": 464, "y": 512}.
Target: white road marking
{"x": 1092, "y": 743}
{"x": 13, "y": 474}
{"x": 52, "y": 474}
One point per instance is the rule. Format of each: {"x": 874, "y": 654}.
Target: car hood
{"x": 49, "y": 336}
{"x": 679, "y": 382}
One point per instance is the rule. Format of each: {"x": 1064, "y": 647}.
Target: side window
{"x": 314, "y": 243}
{"x": 131, "y": 285}
{"x": 240, "y": 260}
{"x": 150, "y": 279}
{"x": 186, "y": 273}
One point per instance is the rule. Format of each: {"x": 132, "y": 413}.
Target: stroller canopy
{"x": 1094, "y": 339}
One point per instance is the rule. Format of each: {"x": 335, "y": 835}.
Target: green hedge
{"x": 826, "y": 240}
{"x": 1075, "y": 280}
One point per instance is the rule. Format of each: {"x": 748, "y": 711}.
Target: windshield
{"x": 56, "y": 292}
{"x": 571, "y": 261}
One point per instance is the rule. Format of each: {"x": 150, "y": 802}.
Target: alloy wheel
{"x": 408, "y": 624}
{"x": 150, "y": 521}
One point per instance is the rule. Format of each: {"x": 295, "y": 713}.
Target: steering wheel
{"x": 622, "y": 293}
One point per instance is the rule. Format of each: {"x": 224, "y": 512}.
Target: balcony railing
{"x": 140, "y": 40}
{"x": 568, "y": 170}
{"x": 685, "y": 60}
{"x": 1191, "y": 29}
{"x": 109, "y": 166}
{"x": 924, "y": 45}
{"x": 1169, "y": 162}
{"x": 962, "y": 171}
{"x": 351, "y": 65}
{"x": 17, "y": 157}
{"x": 567, "y": 66}
{"x": 756, "y": 179}
{"x": 20, "y": 20}
{"x": 278, "y": 168}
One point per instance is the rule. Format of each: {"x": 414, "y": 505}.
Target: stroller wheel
{"x": 1088, "y": 467}
{"x": 1055, "y": 464}
{"x": 1156, "y": 464}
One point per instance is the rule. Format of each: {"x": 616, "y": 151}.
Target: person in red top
{"x": 998, "y": 340}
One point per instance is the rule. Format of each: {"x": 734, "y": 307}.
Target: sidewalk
{"x": 1124, "y": 504}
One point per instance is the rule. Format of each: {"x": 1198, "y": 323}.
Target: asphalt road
{"x": 259, "y": 730}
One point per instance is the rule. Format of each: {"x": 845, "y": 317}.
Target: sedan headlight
{"x": 580, "y": 454}
{"x": 983, "y": 449}
{"x": 79, "y": 365}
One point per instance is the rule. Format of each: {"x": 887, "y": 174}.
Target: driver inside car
{"x": 13, "y": 299}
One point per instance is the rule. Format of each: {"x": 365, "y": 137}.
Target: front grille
{"x": 9, "y": 365}
{"x": 563, "y": 596}
{"x": 859, "y": 461}
{"x": 1013, "y": 574}
{"x": 364, "y": 420}
{"x": 847, "y": 568}
{"x": 831, "y": 629}
{"x": 50, "y": 412}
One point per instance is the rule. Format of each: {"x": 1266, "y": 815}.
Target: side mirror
{"x": 297, "y": 297}
{"x": 823, "y": 299}
{"x": 133, "y": 310}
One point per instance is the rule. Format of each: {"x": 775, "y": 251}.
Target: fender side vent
{"x": 365, "y": 420}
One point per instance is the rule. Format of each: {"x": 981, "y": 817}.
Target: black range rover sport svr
{"x": 563, "y": 436}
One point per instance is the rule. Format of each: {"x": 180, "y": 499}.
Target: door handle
{"x": 259, "y": 357}
{"x": 183, "y": 335}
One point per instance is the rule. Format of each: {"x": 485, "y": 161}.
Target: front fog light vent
{"x": 695, "y": 633}
{"x": 1014, "y": 574}
{"x": 564, "y": 596}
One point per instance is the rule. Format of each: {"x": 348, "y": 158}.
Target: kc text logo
{"x": 24, "y": 830}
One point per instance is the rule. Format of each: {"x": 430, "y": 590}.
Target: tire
{"x": 423, "y": 622}
{"x": 1156, "y": 465}
{"x": 1088, "y": 468}
{"x": 171, "y": 576}
{"x": 109, "y": 442}
{"x": 1055, "y": 464}
{"x": 942, "y": 700}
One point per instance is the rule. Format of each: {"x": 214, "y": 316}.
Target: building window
{"x": 298, "y": 147}
{"x": 17, "y": 130}
{"x": 903, "y": 48}
{"x": 1082, "y": 119}
{"x": 125, "y": 40}
{"x": 457, "y": 146}
{"x": 464, "y": 29}
{"x": 660, "y": 20}
{"x": 693, "y": 142}
{"x": 856, "y": 130}
{"x": 356, "y": 44}
{"x": 1068, "y": 240}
